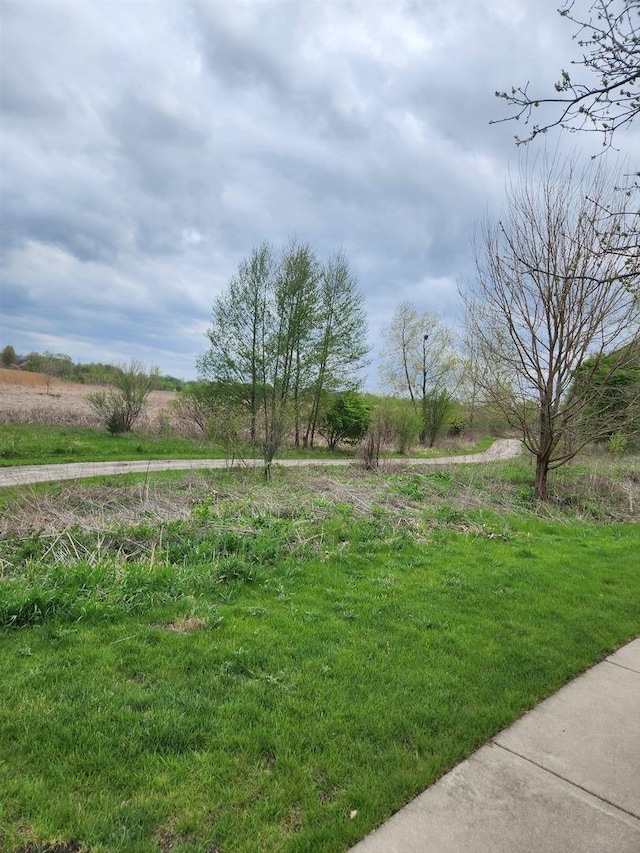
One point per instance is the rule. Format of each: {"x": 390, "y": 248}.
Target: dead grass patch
{"x": 183, "y": 626}
{"x": 24, "y": 399}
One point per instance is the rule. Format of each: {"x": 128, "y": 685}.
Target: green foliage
{"x": 50, "y": 364}
{"x": 618, "y": 443}
{"x": 457, "y": 425}
{"x": 612, "y": 382}
{"x": 8, "y": 356}
{"x": 381, "y": 432}
{"x": 120, "y": 407}
{"x": 287, "y": 667}
{"x": 419, "y": 355}
{"x": 287, "y": 330}
{"x": 196, "y": 404}
{"x": 346, "y": 420}
{"x": 406, "y": 424}
{"x": 436, "y": 406}
{"x": 60, "y": 366}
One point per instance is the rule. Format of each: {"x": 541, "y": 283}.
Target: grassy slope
{"x": 245, "y": 686}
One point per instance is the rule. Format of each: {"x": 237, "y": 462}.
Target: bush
{"x": 121, "y": 406}
{"x": 346, "y": 420}
{"x": 618, "y": 443}
{"x": 457, "y": 426}
{"x": 381, "y": 431}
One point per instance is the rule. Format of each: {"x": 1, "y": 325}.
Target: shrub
{"x": 346, "y": 420}
{"x": 121, "y": 406}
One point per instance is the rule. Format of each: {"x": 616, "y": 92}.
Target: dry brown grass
{"x": 24, "y": 399}
{"x": 412, "y": 500}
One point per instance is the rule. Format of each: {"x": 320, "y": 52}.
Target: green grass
{"x": 35, "y": 444}
{"x": 244, "y": 665}
{"x": 39, "y": 444}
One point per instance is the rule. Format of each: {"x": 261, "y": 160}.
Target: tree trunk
{"x": 542, "y": 470}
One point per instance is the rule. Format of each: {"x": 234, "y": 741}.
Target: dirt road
{"x": 505, "y": 448}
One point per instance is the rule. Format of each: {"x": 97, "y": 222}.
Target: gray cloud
{"x": 146, "y": 148}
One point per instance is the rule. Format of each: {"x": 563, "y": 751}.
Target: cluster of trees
{"x": 286, "y": 334}
{"x": 60, "y": 366}
{"x": 552, "y": 340}
{"x": 552, "y": 322}
{"x": 420, "y": 360}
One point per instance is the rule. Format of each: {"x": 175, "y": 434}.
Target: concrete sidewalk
{"x": 565, "y": 778}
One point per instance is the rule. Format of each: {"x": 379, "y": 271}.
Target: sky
{"x": 146, "y": 146}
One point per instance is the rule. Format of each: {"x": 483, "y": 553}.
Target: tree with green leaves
{"x": 616, "y": 407}
{"x": 241, "y": 327}
{"x": 296, "y": 305}
{"x": 419, "y": 359}
{"x": 8, "y": 356}
{"x": 277, "y": 344}
{"x": 341, "y": 337}
{"x": 121, "y": 406}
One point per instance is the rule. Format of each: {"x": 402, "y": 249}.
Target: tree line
{"x": 60, "y": 366}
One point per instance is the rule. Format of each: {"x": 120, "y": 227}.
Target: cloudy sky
{"x": 148, "y": 145}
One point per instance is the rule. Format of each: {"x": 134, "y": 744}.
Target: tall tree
{"x": 296, "y": 299}
{"x": 242, "y": 325}
{"x": 548, "y": 297}
{"x": 419, "y": 359}
{"x": 272, "y": 345}
{"x": 341, "y": 346}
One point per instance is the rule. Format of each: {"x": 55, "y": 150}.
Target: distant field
{"x": 24, "y": 399}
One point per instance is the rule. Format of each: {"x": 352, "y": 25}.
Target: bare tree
{"x": 548, "y": 300}
{"x": 609, "y": 97}
{"x": 607, "y": 100}
{"x": 471, "y": 378}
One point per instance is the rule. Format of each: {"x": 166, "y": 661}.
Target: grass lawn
{"x": 248, "y": 665}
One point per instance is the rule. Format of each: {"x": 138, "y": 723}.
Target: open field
{"x": 205, "y": 662}
{"x": 24, "y": 399}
